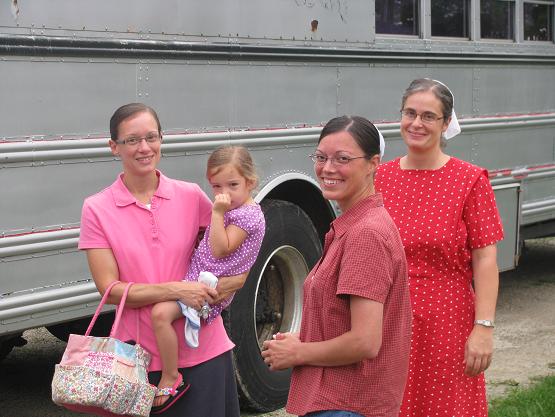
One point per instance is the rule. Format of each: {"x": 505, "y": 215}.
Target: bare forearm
{"x": 229, "y": 285}
{"x": 486, "y": 285}
{"x": 142, "y": 294}
{"x": 486, "y": 295}
{"x": 362, "y": 341}
{"x": 479, "y": 345}
{"x": 343, "y": 350}
{"x": 104, "y": 270}
{"x": 218, "y": 239}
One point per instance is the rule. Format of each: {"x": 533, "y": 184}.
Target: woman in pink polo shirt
{"x": 143, "y": 228}
{"x": 351, "y": 356}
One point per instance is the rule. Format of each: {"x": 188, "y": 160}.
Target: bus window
{"x": 497, "y": 19}
{"x": 397, "y": 17}
{"x": 450, "y": 18}
{"x": 538, "y": 21}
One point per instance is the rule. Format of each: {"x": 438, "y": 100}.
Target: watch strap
{"x": 485, "y": 323}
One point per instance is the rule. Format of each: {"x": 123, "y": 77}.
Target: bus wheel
{"x": 271, "y": 302}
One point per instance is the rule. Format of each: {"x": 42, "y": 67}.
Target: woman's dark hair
{"x": 126, "y": 111}
{"x": 442, "y": 93}
{"x": 362, "y": 130}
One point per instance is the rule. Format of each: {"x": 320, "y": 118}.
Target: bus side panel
{"x": 530, "y": 89}
{"x": 502, "y": 147}
{"x": 41, "y": 269}
{"x": 243, "y": 94}
{"x": 367, "y": 90}
{"x": 539, "y": 198}
{"x": 287, "y": 19}
{"x": 62, "y": 96}
{"x": 52, "y": 194}
{"x": 507, "y": 199}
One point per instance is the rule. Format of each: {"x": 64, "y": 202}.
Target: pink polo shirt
{"x": 153, "y": 246}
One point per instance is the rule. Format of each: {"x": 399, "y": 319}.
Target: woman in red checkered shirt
{"x": 351, "y": 355}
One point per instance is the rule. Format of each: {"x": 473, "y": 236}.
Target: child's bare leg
{"x": 163, "y": 315}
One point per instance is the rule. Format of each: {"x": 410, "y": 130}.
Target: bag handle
{"x": 119, "y": 309}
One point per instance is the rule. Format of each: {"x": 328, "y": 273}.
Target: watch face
{"x": 485, "y": 323}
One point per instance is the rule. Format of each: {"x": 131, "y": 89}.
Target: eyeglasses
{"x": 426, "y": 117}
{"x": 320, "y": 159}
{"x": 151, "y": 137}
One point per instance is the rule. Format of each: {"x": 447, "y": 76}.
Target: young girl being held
{"x": 229, "y": 247}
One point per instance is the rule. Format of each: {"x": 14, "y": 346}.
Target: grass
{"x": 536, "y": 401}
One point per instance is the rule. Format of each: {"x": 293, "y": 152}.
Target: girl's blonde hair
{"x": 238, "y": 156}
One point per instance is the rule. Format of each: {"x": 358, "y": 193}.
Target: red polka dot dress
{"x": 442, "y": 215}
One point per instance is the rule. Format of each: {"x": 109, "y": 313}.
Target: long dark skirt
{"x": 213, "y": 392}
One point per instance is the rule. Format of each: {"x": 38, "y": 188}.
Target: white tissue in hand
{"x": 208, "y": 279}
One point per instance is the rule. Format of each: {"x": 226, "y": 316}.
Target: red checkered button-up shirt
{"x": 363, "y": 256}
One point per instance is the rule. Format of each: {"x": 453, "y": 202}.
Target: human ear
{"x": 445, "y": 124}
{"x": 251, "y": 184}
{"x": 374, "y": 162}
{"x": 113, "y": 147}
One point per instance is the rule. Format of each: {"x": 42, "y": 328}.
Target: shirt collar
{"x": 346, "y": 220}
{"x": 123, "y": 197}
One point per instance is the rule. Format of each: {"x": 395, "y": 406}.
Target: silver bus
{"x": 265, "y": 74}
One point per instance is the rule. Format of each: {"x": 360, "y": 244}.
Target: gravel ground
{"x": 525, "y": 332}
{"x": 524, "y": 341}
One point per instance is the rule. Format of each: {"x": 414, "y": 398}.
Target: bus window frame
{"x": 474, "y": 19}
{"x": 540, "y": 2}
{"x": 470, "y": 22}
{"x": 513, "y": 39}
{"x": 401, "y": 35}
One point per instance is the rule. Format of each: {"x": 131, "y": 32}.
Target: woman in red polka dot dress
{"x": 446, "y": 212}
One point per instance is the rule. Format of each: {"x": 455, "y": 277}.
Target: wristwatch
{"x": 485, "y": 323}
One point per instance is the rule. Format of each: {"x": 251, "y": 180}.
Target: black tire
{"x": 271, "y": 301}
{"x": 7, "y": 343}
{"x": 5, "y": 348}
{"x": 101, "y": 328}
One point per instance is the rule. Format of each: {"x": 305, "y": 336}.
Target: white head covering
{"x": 454, "y": 128}
{"x": 382, "y": 143}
